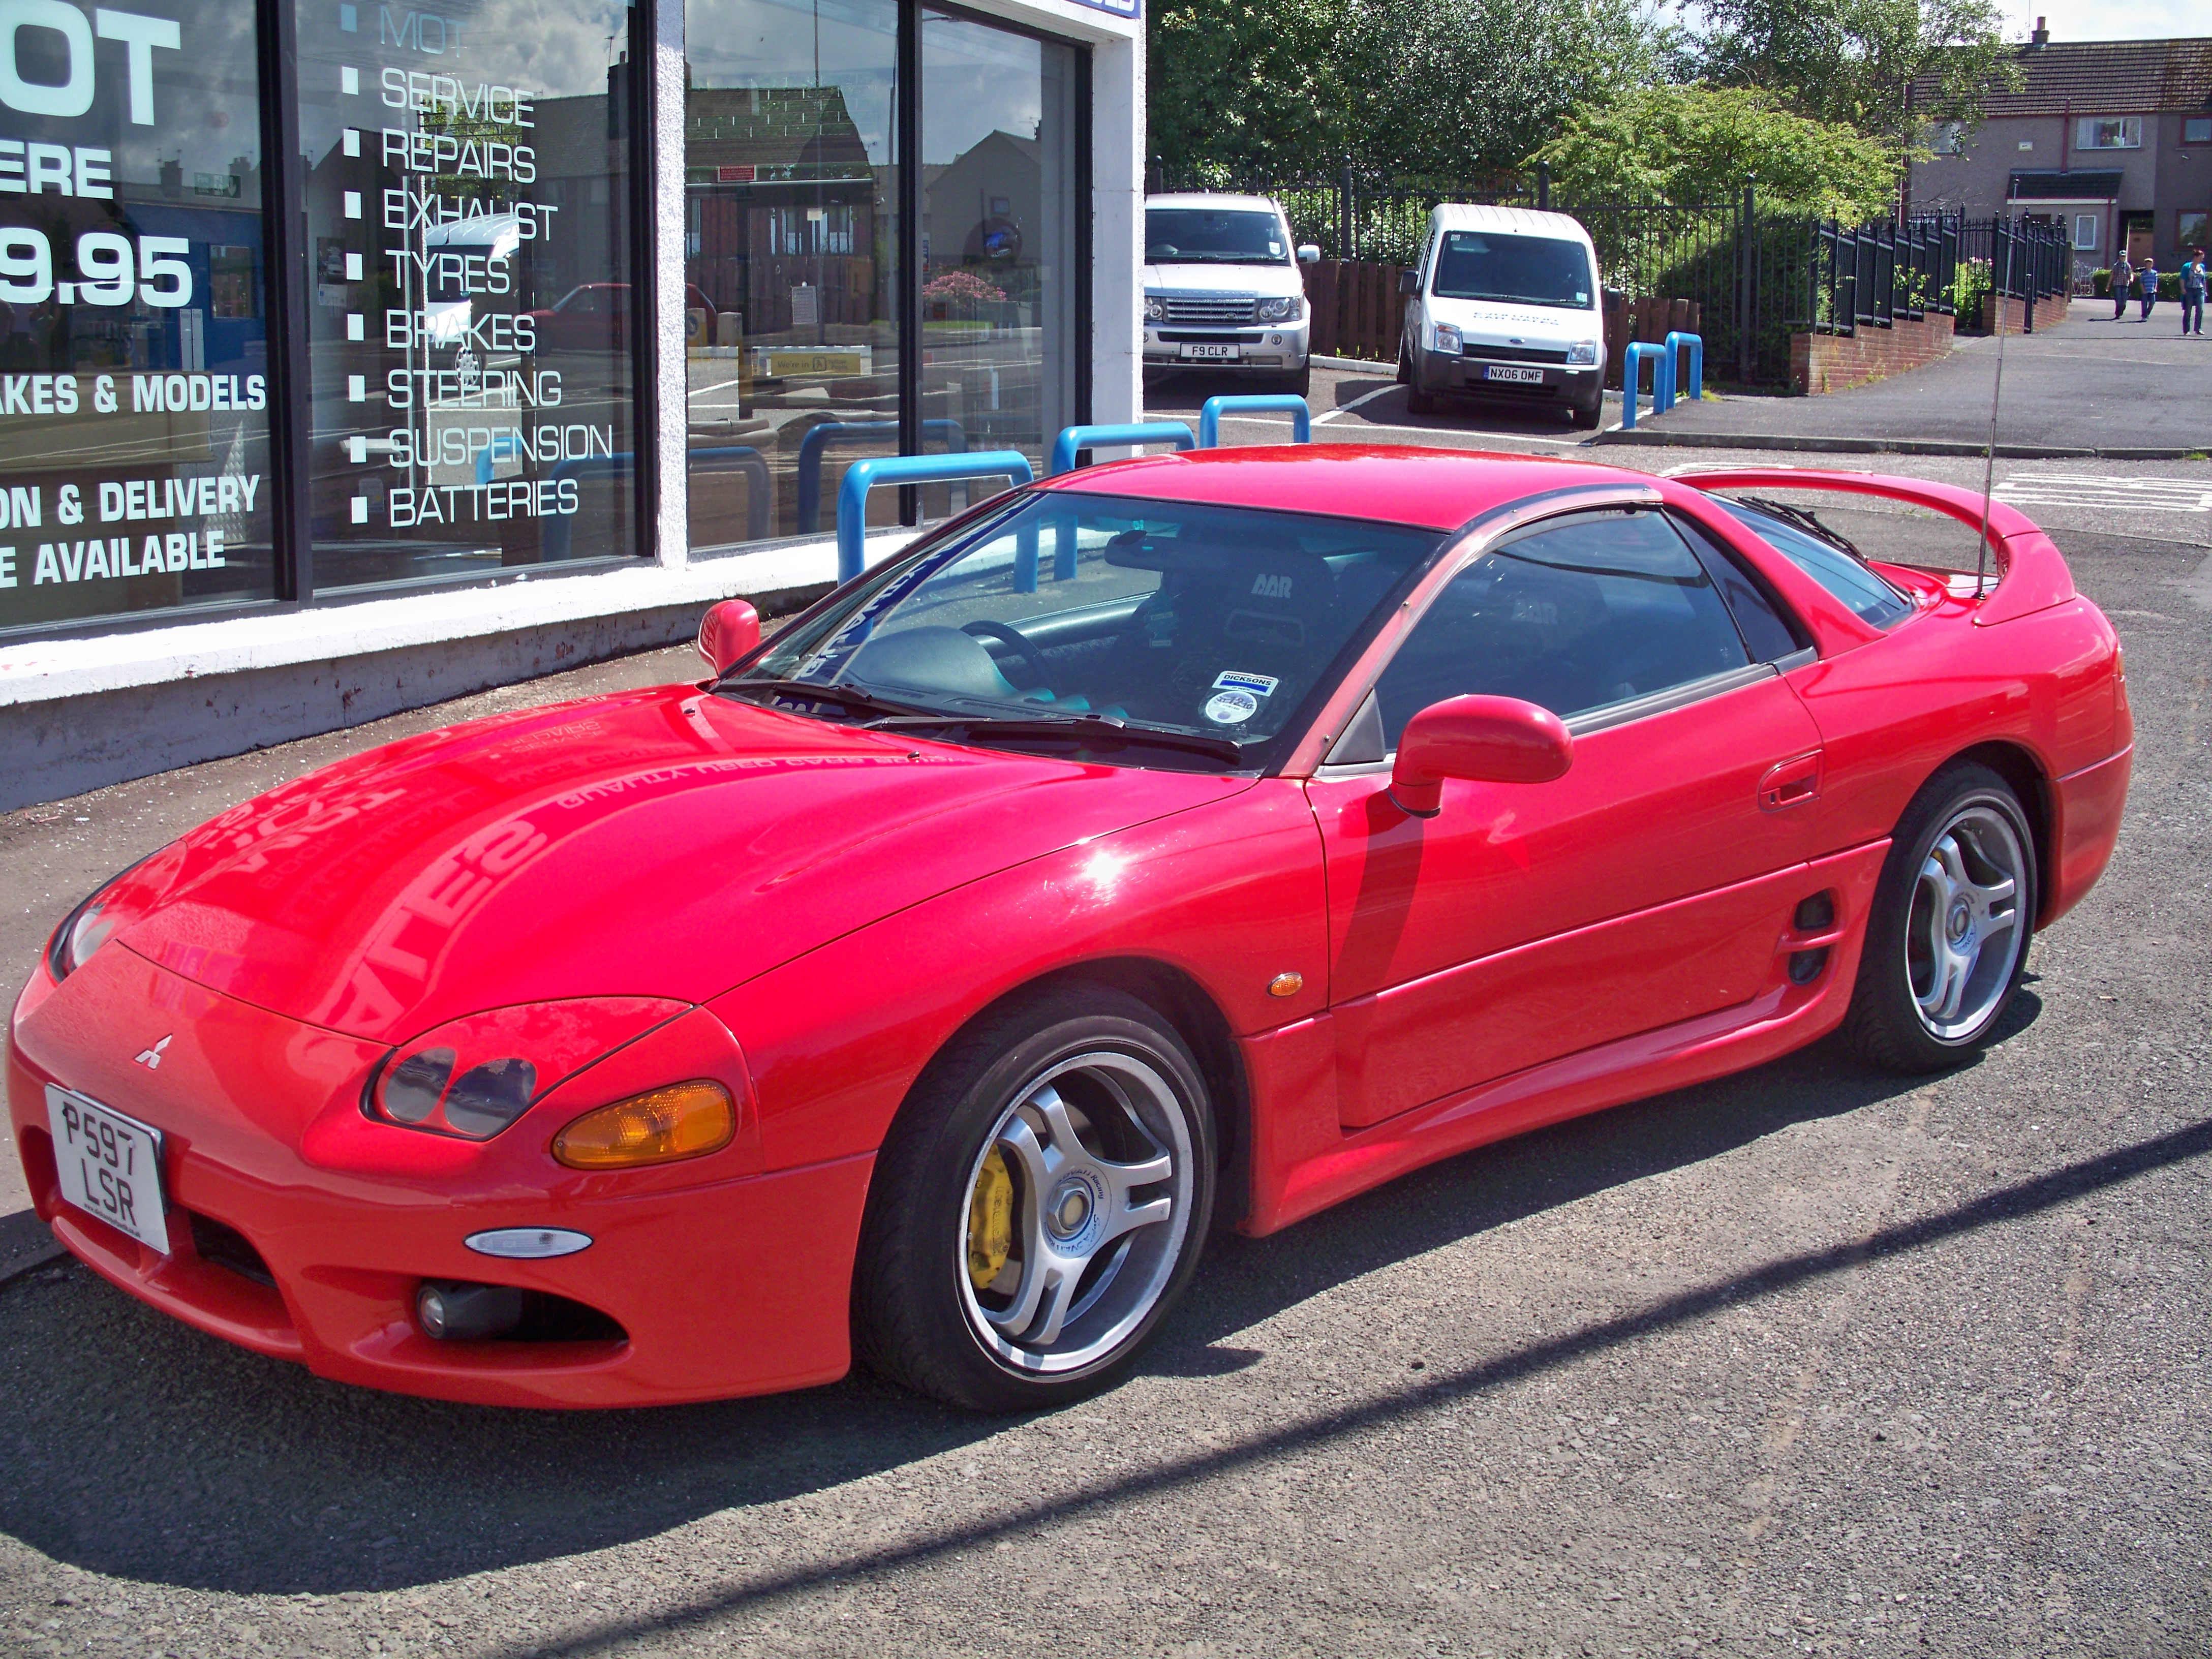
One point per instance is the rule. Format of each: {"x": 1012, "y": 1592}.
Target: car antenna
{"x": 1996, "y": 391}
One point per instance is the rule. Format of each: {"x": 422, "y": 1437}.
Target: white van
{"x": 1506, "y": 304}
{"x": 1223, "y": 289}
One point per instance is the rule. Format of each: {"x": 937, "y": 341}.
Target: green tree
{"x": 1883, "y": 66}
{"x": 1699, "y": 143}
{"x": 1455, "y": 88}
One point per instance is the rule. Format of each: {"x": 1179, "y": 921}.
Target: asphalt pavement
{"x": 1811, "y": 1359}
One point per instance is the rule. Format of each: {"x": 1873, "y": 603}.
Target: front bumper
{"x": 1265, "y": 348}
{"x": 1471, "y": 375}
{"x": 725, "y": 1280}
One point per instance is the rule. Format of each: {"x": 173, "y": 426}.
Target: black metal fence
{"x": 1757, "y": 276}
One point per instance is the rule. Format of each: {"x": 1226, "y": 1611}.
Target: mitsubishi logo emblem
{"x": 151, "y": 1057}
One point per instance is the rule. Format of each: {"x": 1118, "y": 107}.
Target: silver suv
{"x": 1223, "y": 289}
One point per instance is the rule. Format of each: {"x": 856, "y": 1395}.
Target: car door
{"x": 1649, "y": 884}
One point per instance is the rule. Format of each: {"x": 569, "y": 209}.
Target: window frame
{"x": 2130, "y": 128}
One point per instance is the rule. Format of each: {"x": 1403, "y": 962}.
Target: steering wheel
{"x": 1032, "y": 657}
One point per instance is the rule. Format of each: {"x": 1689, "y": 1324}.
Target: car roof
{"x": 1523, "y": 221}
{"x": 1430, "y": 489}
{"x": 1207, "y": 198}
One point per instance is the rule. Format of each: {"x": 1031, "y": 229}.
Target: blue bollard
{"x": 863, "y": 475}
{"x": 1209, "y": 416}
{"x": 1696, "y": 388}
{"x": 1632, "y": 373}
{"x": 1074, "y": 439}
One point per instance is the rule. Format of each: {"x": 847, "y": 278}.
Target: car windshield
{"x": 1125, "y": 631}
{"x": 1226, "y": 236}
{"x": 1532, "y": 271}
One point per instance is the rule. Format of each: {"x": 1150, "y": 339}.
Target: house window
{"x": 2110, "y": 132}
{"x": 2196, "y": 230}
{"x": 2196, "y": 129}
{"x": 2085, "y": 233}
{"x": 1944, "y": 137}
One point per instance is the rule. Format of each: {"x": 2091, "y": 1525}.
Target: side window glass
{"x": 1764, "y": 627}
{"x": 1861, "y": 592}
{"x": 1594, "y": 611}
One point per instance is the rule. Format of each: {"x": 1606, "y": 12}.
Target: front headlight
{"x": 1582, "y": 354}
{"x": 1447, "y": 341}
{"x": 1286, "y": 310}
{"x": 1156, "y": 309}
{"x": 100, "y": 915}
{"x": 472, "y": 1077}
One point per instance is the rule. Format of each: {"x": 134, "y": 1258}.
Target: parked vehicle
{"x": 1200, "y": 836}
{"x": 1504, "y": 304}
{"x": 1223, "y": 289}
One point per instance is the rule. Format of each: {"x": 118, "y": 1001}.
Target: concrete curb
{"x": 26, "y": 1244}
{"x": 1352, "y": 365}
{"x": 1663, "y": 440}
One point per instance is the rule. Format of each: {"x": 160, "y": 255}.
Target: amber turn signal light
{"x": 685, "y": 1120}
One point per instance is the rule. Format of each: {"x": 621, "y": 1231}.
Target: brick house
{"x": 2111, "y": 139}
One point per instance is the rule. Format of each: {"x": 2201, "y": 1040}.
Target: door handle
{"x": 1792, "y": 783}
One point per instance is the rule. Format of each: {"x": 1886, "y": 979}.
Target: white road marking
{"x": 2106, "y": 494}
{"x": 1365, "y": 398}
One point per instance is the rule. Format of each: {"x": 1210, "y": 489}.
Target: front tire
{"x": 1038, "y": 1207}
{"x": 1947, "y": 938}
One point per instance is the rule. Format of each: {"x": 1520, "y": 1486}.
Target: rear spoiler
{"x": 2031, "y": 572}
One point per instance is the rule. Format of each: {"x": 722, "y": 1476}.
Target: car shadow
{"x": 1180, "y": 394}
{"x": 139, "y": 1448}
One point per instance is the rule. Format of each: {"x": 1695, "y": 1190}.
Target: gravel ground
{"x": 1808, "y": 1360}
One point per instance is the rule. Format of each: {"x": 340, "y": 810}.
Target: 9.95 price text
{"x": 110, "y": 272}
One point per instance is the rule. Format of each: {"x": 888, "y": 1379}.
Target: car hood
{"x": 666, "y": 843}
{"x": 1255, "y": 282}
{"x": 1495, "y": 323}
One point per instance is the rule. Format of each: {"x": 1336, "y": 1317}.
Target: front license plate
{"x": 1517, "y": 376}
{"x": 110, "y": 1165}
{"x": 1211, "y": 353}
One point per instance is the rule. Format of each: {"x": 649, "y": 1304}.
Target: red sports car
{"x": 1198, "y": 838}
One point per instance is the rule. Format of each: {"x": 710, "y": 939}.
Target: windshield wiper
{"x": 1099, "y": 730}
{"x": 845, "y": 696}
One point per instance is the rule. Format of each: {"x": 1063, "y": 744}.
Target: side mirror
{"x": 1486, "y": 739}
{"x": 1309, "y": 254}
{"x": 1409, "y": 283}
{"x": 726, "y": 633}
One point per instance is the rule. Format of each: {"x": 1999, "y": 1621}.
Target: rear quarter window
{"x": 1866, "y": 594}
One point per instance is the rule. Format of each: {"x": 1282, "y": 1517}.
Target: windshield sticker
{"x": 1233, "y": 679}
{"x": 1231, "y": 707}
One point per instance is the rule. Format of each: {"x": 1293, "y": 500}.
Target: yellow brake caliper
{"x": 990, "y": 1220}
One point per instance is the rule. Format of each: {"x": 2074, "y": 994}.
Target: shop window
{"x": 471, "y": 339}
{"x": 2109, "y": 132}
{"x": 134, "y": 430}
{"x": 792, "y": 198}
{"x": 997, "y": 153}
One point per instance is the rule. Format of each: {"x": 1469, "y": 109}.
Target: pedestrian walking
{"x": 2123, "y": 280}
{"x": 2147, "y": 284}
{"x": 2192, "y": 294}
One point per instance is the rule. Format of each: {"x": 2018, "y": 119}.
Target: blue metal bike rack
{"x": 1632, "y": 373}
{"x": 820, "y": 437}
{"x": 864, "y": 475}
{"x": 1696, "y": 388}
{"x": 1209, "y": 416}
{"x": 555, "y": 540}
{"x": 1075, "y": 439}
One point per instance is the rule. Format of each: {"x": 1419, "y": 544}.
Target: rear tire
{"x": 1947, "y": 940}
{"x": 1037, "y": 1282}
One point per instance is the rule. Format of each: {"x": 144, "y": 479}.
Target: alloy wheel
{"x": 1963, "y": 938}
